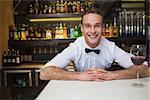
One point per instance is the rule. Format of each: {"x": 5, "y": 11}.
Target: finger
{"x": 101, "y": 70}
{"x": 97, "y": 79}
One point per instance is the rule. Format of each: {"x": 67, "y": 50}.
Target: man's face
{"x": 92, "y": 26}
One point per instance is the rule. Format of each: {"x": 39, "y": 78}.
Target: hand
{"x": 93, "y": 74}
{"x": 111, "y": 75}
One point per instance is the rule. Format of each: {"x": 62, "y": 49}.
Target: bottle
{"x": 11, "y": 32}
{"x": 78, "y": 8}
{"x": 45, "y": 10}
{"x": 115, "y": 28}
{"x": 69, "y": 7}
{"x": 74, "y": 7}
{"x": 23, "y": 32}
{"x": 57, "y": 6}
{"x": 13, "y": 58}
{"x": 9, "y": 61}
{"x": 53, "y": 33}
{"x": 53, "y": 8}
{"x": 36, "y": 7}
{"x": 65, "y": 31}
{"x": 4, "y": 59}
{"x": 50, "y": 9}
{"x": 71, "y": 32}
{"x": 65, "y": 7}
{"x": 82, "y": 7}
{"x": 31, "y": 33}
{"x": 107, "y": 33}
{"x": 18, "y": 59}
{"x": 31, "y": 10}
{"x": 61, "y": 6}
{"x": 61, "y": 31}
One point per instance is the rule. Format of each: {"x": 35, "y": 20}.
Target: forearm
{"x": 131, "y": 72}
{"x": 55, "y": 73}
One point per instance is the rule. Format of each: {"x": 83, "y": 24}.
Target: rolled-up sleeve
{"x": 122, "y": 57}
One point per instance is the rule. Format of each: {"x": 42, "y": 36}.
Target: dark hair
{"x": 93, "y": 11}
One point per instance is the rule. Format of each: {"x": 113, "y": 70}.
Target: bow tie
{"x": 97, "y": 51}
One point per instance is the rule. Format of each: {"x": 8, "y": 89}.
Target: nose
{"x": 92, "y": 29}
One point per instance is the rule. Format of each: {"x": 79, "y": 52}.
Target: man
{"x": 90, "y": 64}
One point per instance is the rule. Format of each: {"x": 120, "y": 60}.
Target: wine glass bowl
{"x": 139, "y": 52}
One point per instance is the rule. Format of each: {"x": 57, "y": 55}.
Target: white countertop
{"x": 89, "y": 90}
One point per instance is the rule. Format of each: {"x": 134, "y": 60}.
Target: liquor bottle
{"x": 18, "y": 58}
{"x": 31, "y": 10}
{"x": 48, "y": 33}
{"x": 53, "y": 33}
{"x": 13, "y": 58}
{"x": 18, "y": 33}
{"x": 134, "y": 24}
{"x": 4, "y": 59}
{"x": 31, "y": 33}
{"x": 36, "y": 7}
{"x": 23, "y": 32}
{"x": 79, "y": 30}
{"x": 137, "y": 24}
{"x": 43, "y": 32}
{"x": 45, "y": 10}
{"x": 61, "y": 6}
{"x": 9, "y": 61}
{"x": 115, "y": 28}
{"x": 50, "y": 8}
{"x": 76, "y": 33}
{"x": 69, "y": 7}
{"x": 11, "y": 32}
{"x": 65, "y": 31}
{"x": 57, "y": 6}
{"x": 57, "y": 31}
{"x": 74, "y": 7}
{"x": 71, "y": 32}
{"x": 61, "y": 31}
{"x": 107, "y": 33}
{"x": 65, "y": 7}
{"x": 78, "y": 7}
{"x": 53, "y": 8}
{"x": 111, "y": 30}
{"x": 143, "y": 20}
{"x": 82, "y": 10}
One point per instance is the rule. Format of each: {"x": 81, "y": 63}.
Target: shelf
{"x": 54, "y": 17}
{"x": 58, "y": 42}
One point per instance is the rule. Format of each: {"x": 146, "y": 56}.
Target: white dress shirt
{"x": 75, "y": 52}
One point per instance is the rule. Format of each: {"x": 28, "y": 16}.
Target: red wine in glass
{"x": 140, "y": 55}
{"x": 138, "y": 60}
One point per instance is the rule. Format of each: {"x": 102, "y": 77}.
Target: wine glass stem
{"x": 138, "y": 73}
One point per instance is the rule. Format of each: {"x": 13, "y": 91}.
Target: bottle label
{"x": 17, "y": 60}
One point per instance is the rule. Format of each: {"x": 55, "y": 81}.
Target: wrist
{"x": 75, "y": 76}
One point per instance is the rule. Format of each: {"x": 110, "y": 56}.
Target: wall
{"x": 6, "y": 19}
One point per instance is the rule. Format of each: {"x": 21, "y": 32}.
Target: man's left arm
{"x": 128, "y": 73}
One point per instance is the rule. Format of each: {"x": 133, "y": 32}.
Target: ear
{"x": 81, "y": 28}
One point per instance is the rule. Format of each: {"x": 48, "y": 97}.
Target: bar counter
{"x": 24, "y": 66}
{"x": 88, "y": 90}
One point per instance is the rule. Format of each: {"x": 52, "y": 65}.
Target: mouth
{"x": 92, "y": 36}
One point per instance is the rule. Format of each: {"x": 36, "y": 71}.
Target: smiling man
{"x": 91, "y": 54}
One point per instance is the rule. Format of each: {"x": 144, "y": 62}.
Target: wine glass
{"x": 139, "y": 52}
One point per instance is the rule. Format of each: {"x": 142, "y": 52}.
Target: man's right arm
{"x": 56, "y": 73}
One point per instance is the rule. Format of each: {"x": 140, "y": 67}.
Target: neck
{"x": 93, "y": 45}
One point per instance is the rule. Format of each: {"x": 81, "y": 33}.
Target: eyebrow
{"x": 94, "y": 24}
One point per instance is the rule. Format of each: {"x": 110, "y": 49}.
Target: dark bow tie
{"x": 97, "y": 51}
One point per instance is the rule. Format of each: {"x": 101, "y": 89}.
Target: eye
{"x": 98, "y": 25}
{"x": 87, "y": 26}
